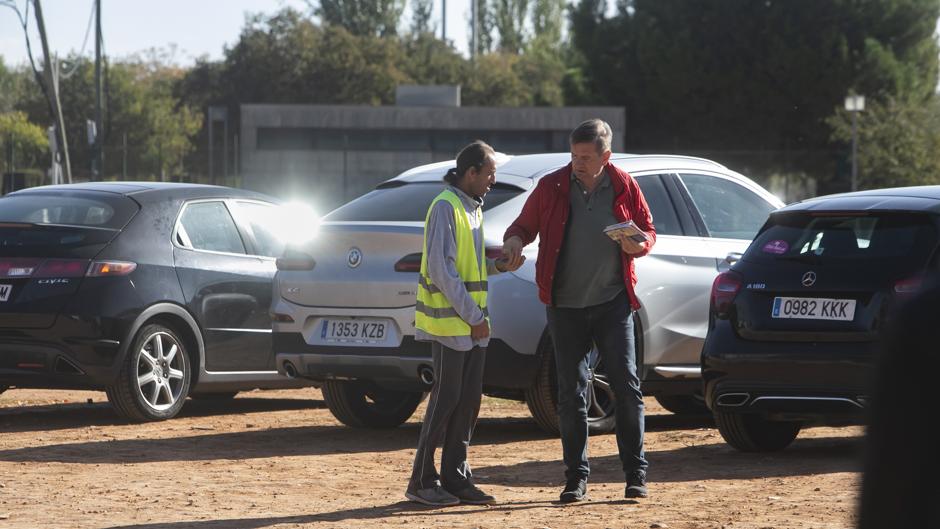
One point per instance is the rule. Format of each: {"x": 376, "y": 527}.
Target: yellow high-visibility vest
{"x": 434, "y": 314}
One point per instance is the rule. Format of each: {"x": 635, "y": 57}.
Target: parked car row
{"x": 158, "y": 292}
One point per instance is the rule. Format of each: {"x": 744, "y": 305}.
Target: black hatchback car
{"x": 794, "y": 325}
{"x": 149, "y": 291}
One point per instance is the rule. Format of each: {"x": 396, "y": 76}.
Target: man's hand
{"x": 631, "y": 247}
{"x": 512, "y": 254}
{"x": 480, "y": 331}
{"x": 502, "y": 264}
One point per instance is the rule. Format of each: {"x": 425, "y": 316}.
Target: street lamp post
{"x": 855, "y": 104}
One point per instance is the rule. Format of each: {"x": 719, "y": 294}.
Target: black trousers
{"x": 450, "y": 418}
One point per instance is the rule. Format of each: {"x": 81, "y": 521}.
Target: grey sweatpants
{"x": 450, "y": 417}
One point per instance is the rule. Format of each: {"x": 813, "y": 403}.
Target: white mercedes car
{"x": 344, "y": 304}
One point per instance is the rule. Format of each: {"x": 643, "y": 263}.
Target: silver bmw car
{"x": 344, "y": 304}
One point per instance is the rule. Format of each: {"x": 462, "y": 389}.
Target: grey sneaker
{"x": 434, "y": 496}
{"x": 636, "y": 485}
{"x": 575, "y": 490}
{"x": 471, "y": 494}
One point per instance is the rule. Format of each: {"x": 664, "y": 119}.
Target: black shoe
{"x": 575, "y": 490}
{"x": 471, "y": 494}
{"x": 636, "y": 485}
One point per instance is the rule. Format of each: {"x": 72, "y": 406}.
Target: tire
{"x": 228, "y": 395}
{"x": 155, "y": 379}
{"x": 683, "y": 404}
{"x": 542, "y": 396}
{"x": 362, "y": 404}
{"x": 752, "y": 433}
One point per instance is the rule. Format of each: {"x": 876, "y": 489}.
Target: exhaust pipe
{"x": 290, "y": 370}
{"x": 732, "y": 400}
{"x": 426, "y": 375}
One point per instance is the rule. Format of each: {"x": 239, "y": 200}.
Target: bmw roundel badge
{"x": 354, "y": 257}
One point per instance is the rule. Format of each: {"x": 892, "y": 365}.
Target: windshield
{"x": 848, "y": 236}
{"x": 97, "y": 210}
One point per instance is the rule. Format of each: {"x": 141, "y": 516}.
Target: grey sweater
{"x": 442, "y": 266}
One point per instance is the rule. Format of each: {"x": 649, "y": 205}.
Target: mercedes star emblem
{"x": 809, "y": 279}
{"x": 354, "y": 257}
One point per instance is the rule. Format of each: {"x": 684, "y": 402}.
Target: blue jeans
{"x": 610, "y": 327}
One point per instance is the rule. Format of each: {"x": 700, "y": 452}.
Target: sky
{"x": 195, "y": 27}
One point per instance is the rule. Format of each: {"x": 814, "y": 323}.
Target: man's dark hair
{"x": 473, "y": 155}
{"x": 595, "y": 131}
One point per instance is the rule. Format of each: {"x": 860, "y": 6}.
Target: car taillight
{"x": 909, "y": 286}
{"x": 111, "y": 268}
{"x": 18, "y": 267}
{"x": 409, "y": 263}
{"x": 724, "y": 289}
{"x": 49, "y": 268}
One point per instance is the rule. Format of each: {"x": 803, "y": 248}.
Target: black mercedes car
{"x": 149, "y": 291}
{"x": 795, "y": 323}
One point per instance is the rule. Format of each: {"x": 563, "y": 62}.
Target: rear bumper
{"x": 44, "y": 361}
{"x": 814, "y": 381}
{"x": 394, "y": 367}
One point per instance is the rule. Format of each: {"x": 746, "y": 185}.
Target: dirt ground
{"x": 279, "y": 459}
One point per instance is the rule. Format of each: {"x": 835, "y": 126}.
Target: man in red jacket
{"x": 587, "y": 281}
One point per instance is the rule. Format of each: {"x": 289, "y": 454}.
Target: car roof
{"x": 914, "y": 198}
{"x": 150, "y": 190}
{"x": 521, "y": 170}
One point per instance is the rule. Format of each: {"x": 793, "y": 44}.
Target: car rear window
{"x": 867, "y": 236}
{"x": 407, "y": 202}
{"x": 93, "y": 210}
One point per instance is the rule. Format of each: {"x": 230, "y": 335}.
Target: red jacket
{"x": 546, "y": 212}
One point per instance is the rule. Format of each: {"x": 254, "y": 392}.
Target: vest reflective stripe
{"x": 449, "y": 312}
{"x": 471, "y": 286}
{"x": 434, "y": 314}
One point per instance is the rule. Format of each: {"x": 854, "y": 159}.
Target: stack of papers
{"x": 624, "y": 230}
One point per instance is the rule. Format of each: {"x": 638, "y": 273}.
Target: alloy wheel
{"x": 160, "y": 371}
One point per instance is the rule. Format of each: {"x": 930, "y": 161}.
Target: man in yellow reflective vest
{"x": 451, "y": 314}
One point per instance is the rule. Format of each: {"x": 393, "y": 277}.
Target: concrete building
{"x": 330, "y": 154}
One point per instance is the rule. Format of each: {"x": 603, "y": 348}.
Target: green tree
{"x": 543, "y": 68}
{"x": 361, "y": 17}
{"x": 485, "y": 24}
{"x": 26, "y": 139}
{"x": 509, "y": 19}
{"x": 494, "y": 81}
{"x": 12, "y": 86}
{"x": 547, "y": 20}
{"x": 139, "y": 103}
{"x": 752, "y": 76}
{"x": 421, "y": 17}
{"x": 899, "y": 142}
{"x": 429, "y": 60}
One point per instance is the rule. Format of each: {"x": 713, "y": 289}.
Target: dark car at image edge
{"x": 794, "y": 326}
{"x": 151, "y": 292}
